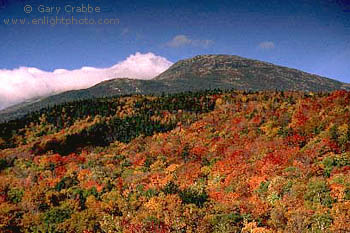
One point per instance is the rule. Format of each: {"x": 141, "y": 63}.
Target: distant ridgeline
{"x": 203, "y": 72}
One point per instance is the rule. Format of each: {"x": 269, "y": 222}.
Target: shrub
{"x": 15, "y": 195}
{"x": 189, "y": 196}
{"x": 3, "y": 164}
{"x": 319, "y": 192}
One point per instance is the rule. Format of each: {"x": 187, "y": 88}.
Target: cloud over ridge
{"x": 24, "y": 83}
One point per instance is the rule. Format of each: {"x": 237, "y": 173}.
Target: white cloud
{"x": 182, "y": 40}
{"x": 178, "y": 41}
{"x": 266, "y": 45}
{"x": 24, "y": 83}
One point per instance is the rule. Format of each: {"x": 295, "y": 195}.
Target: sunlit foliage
{"x": 192, "y": 162}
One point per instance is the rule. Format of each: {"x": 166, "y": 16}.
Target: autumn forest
{"x": 208, "y": 161}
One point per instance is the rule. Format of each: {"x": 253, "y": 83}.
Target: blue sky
{"x": 310, "y": 35}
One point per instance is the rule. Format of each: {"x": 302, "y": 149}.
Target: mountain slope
{"x": 225, "y": 162}
{"x": 226, "y": 71}
{"x": 197, "y": 73}
{"x": 109, "y": 88}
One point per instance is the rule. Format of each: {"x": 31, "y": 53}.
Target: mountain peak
{"x": 230, "y": 71}
{"x": 199, "y": 64}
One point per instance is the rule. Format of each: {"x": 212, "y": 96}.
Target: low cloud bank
{"x": 25, "y": 83}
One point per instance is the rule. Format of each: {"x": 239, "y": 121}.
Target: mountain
{"x": 197, "y": 73}
{"x": 224, "y": 71}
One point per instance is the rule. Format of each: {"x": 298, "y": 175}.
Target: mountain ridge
{"x": 243, "y": 70}
{"x": 213, "y": 71}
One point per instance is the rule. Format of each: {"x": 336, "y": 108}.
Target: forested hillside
{"x": 208, "y": 161}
